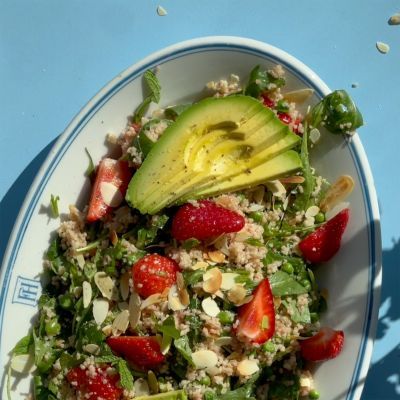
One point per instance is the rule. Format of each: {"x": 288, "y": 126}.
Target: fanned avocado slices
{"x": 217, "y": 145}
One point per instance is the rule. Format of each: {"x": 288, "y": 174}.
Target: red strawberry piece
{"x": 153, "y": 274}
{"x": 204, "y": 220}
{"x": 109, "y": 188}
{"x": 296, "y": 126}
{"x": 142, "y": 351}
{"x": 95, "y": 383}
{"x": 268, "y": 102}
{"x": 284, "y": 117}
{"x": 256, "y": 319}
{"x": 322, "y": 244}
{"x": 326, "y": 344}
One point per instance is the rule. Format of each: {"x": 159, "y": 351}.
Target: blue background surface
{"x": 55, "y": 55}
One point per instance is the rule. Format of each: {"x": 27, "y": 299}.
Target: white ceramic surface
{"x": 353, "y": 278}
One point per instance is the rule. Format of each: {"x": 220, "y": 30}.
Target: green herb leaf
{"x": 125, "y": 375}
{"x": 254, "y": 242}
{"x": 193, "y": 277}
{"x": 108, "y": 359}
{"x": 282, "y": 284}
{"x": 168, "y": 328}
{"x": 182, "y": 345}
{"x": 189, "y": 244}
{"x": 173, "y": 112}
{"x": 90, "y": 168}
{"x": 261, "y": 81}
{"x": 301, "y": 317}
{"x": 54, "y": 206}
{"x": 23, "y": 346}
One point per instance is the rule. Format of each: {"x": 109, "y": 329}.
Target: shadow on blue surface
{"x": 383, "y": 380}
{"x": 13, "y": 199}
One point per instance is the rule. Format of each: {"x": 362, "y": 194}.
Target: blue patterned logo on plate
{"x": 26, "y": 291}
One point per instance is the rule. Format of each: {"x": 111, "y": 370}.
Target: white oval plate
{"x": 353, "y": 277}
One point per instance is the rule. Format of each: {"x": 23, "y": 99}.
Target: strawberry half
{"x": 142, "y": 351}
{"x": 205, "y": 220}
{"x": 112, "y": 179}
{"x": 326, "y": 344}
{"x": 324, "y": 242}
{"x": 256, "y": 319}
{"x": 153, "y": 274}
{"x": 95, "y": 383}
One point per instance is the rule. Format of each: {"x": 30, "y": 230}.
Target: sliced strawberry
{"x": 324, "y": 242}
{"x": 153, "y": 274}
{"x": 109, "y": 188}
{"x": 205, "y": 220}
{"x": 267, "y": 101}
{"x": 256, "y": 319}
{"x": 326, "y": 344}
{"x": 95, "y": 383}
{"x": 142, "y": 351}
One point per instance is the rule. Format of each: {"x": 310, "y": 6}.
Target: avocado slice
{"x": 174, "y": 395}
{"x": 211, "y": 142}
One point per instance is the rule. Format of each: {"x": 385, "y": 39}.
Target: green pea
{"x": 306, "y": 283}
{"x": 269, "y": 347}
{"x": 314, "y": 394}
{"x": 256, "y": 216}
{"x": 314, "y": 317}
{"x": 287, "y": 267}
{"x": 52, "y": 327}
{"x": 65, "y": 301}
{"x": 319, "y": 218}
{"x": 225, "y": 317}
{"x": 206, "y": 381}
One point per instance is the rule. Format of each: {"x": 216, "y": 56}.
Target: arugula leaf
{"x": 261, "y": 81}
{"x": 282, "y": 284}
{"x": 23, "y": 345}
{"x": 154, "y": 96}
{"x": 174, "y": 111}
{"x": 168, "y": 328}
{"x": 183, "y": 347}
{"x": 54, "y": 205}
{"x": 301, "y": 317}
{"x": 90, "y": 168}
{"x": 125, "y": 376}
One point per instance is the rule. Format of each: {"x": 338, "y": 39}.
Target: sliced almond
{"x": 292, "y": 179}
{"x": 174, "y": 302}
{"x": 200, "y": 265}
{"x": 216, "y": 256}
{"x": 86, "y": 293}
{"x": 336, "y": 210}
{"x": 105, "y": 284}
{"x": 113, "y": 237}
{"x": 394, "y": 19}
{"x": 212, "y": 280}
{"x": 100, "y": 310}
{"x": 309, "y": 221}
{"x": 312, "y": 211}
{"x": 149, "y": 301}
{"x": 180, "y": 282}
{"x": 228, "y": 280}
{"x": 23, "y": 363}
{"x": 247, "y": 367}
{"x": 124, "y": 285}
{"x": 219, "y": 294}
{"x": 123, "y": 305}
{"x": 91, "y": 348}
{"x": 81, "y": 260}
{"x": 121, "y": 322}
{"x": 314, "y": 135}
{"x": 382, "y": 47}
{"x": 224, "y": 341}
{"x": 204, "y": 359}
{"x": 237, "y": 294}
{"x": 298, "y": 96}
{"x": 242, "y": 236}
{"x": 184, "y": 297}
{"x": 111, "y": 195}
{"x": 210, "y": 307}
{"x": 258, "y": 194}
{"x": 107, "y": 330}
{"x": 276, "y": 188}
{"x": 141, "y": 387}
{"x": 337, "y": 192}
{"x": 153, "y": 383}
{"x": 134, "y": 310}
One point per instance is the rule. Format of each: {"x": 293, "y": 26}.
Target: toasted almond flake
{"x": 105, "y": 284}
{"x": 298, "y": 96}
{"x": 107, "y": 330}
{"x": 219, "y": 294}
{"x": 242, "y": 236}
{"x": 86, "y": 293}
{"x": 113, "y": 237}
{"x": 255, "y": 207}
{"x": 134, "y": 310}
{"x": 224, "y": 341}
{"x": 204, "y": 359}
{"x": 314, "y": 135}
{"x": 91, "y": 348}
{"x": 184, "y": 297}
{"x": 123, "y": 305}
{"x": 210, "y": 307}
{"x": 165, "y": 344}
{"x": 200, "y": 265}
{"x": 237, "y": 294}
{"x": 141, "y": 387}
{"x": 312, "y": 211}
{"x": 212, "y": 280}
{"x": 292, "y": 179}
{"x": 228, "y": 280}
{"x": 180, "y": 282}
{"x": 81, "y": 260}
{"x": 111, "y": 195}
{"x": 305, "y": 382}
{"x": 247, "y": 367}
{"x": 174, "y": 303}
{"x": 216, "y": 256}
{"x": 161, "y": 11}
{"x": 337, "y": 192}
{"x": 394, "y": 19}
{"x": 382, "y": 47}
{"x": 121, "y": 322}
{"x": 100, "y": 310}
{"x": 277, "y": 301}
{"x": 277, "y": 189}
{"x": 149, "y": 301}
{"x": 309, "y": 221}
{"x": 153, "y": 383}
{"x": 212, "y": 371}
{"x": 258, "y": 194}
{"x": 336, "y": 210}
{"x": 23, "y": 363}
{"x": 124, "y": 285}
{"x": 164, "y": 293}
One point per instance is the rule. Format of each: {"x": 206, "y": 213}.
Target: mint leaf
{"x": 300, "y": 317}
{"x": 108, "y": 359}
{"x": 168, "y": 328}
{"x": 282, "y": 284}
{"x": 183, "y": 347}
{"x": 125, "y": 375}
{"x": 22, "y": 347}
